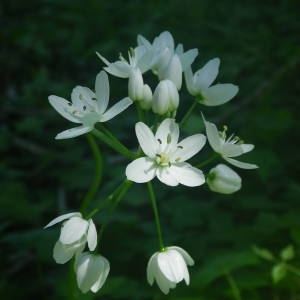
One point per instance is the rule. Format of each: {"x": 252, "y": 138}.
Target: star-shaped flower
{"x": 228, "y": 147}
{"x": 165, "y": 157}
{"x": 199, "y": 85}
{"x": 87, "y": 107}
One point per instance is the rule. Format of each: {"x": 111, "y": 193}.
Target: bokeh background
{"x": 48, "y": 47}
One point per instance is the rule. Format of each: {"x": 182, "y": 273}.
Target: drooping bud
{"x": 173, "y": 71}
{"x": 165, "y": 97}
{"x": 146, "y": 102}
{"x": 224, "y": 180}
{"x": 136, "y": 85}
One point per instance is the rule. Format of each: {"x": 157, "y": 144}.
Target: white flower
{"x": 87, "y": 107}
{"x": 165, "y": 157}
{"x": 168, "y": 268}
{"x": 165, "y": 98}
{"x": 136, "y": 85}
{"x": 224, "y": 180}
{"x": 74, "y": 234}
{"x": 146, "y": 102}
{"x": 168, "y": 62}
{"x": 139, "y": 58}
{"x": 228, "y": 147}
{"x": 199, "y": 85}
{"x": 91, "y": 272}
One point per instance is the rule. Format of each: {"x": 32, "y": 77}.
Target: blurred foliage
{"x": 48, "y": 47}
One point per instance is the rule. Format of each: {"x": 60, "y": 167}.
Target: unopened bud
{"x": 224, "y": 180}
{"x": 165, "y": 98}
{"x": 173, "y": 71}
{"x": 136, "y": 85}
{"x": 146, "y": 103}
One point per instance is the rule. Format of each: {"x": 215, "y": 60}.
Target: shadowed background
{"x": 48, "y": 47}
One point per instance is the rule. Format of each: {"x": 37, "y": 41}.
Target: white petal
{"x": 119, "y": 69}
{"x": 231, "y": 150}
{"x": 165, "y": 266}
{"x": 219, "y": 94}
{"x": 142, "y": 41}
{"x": 146, "y": 139}
{"x": 116, "y": 109}
{"x": 247, "y": 147}
{"x": 151, "y": 269}
{"x": 73, "y": 132}
{"x": 188, "y": 259}
{"x": 240, "y": 164}
{"x": 73, "y": 230}
{"x": 206, "y": 76}
{"x": 187, "y": 175}
{"x": 188, "y": 147}
{"x": 62, "y": 218}
{"x": 167, "y": 134}
{"x": 164, "y": 175}
{"x": 61, "y": 254}
{"x": 167, "y": 40}
{"x": 105, "y": 268}
{"x": 62, "y": 106}
{"x": 103, "y": 58}
{"x": 102, "y": 91}
{"x": 141, "y": 170}
{"x": 188, "y": 58}
{"x": 189, "y": 81}
{"x": 92, "y": 236}
{"x": 212, "y": 135}
{"x": 163, "y": 283}
{"x": 178, "y": 266}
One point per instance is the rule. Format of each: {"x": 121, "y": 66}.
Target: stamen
{"x": 159, "y": 140}
{"x": 180, "y": 147}
{"x": 84, "y": 107}
{"x": 178, "y": 159}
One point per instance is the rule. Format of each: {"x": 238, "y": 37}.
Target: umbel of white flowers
{"x": 91, "y": 272}
{"x": 224, "y": 180}
{"x": 165, "y": 157}
{"x": 74, "y": 235}
{"x": 87, "y": 107}
{"x": 169, "y": 267}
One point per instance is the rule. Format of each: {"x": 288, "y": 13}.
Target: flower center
{"x": 163, "y": 159}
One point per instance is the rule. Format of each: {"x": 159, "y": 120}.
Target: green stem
{"x": 122, "y": 192}
{"x": 233, "y": 286}
{"x": 208, "y": 161}
{"x": 188, "y": 113}
{"x": 140, "y": 112}
{"x": 293, "y": 270}
{"x": 156, "y": 215}
{"x": 111, "y": 141}
{"x": 98, "y": 173}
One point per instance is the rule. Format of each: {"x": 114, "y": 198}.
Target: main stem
{"x": 98, "y": 173}
{"x": 156, "y": 215}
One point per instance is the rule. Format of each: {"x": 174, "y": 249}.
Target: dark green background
{"x": 48, "y": 47}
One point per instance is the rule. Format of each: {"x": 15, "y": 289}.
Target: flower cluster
{"x": 161, "y": 153}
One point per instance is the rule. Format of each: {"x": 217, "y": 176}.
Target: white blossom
{"x": 165, "y": 157}
{"x": 229, "y": 147}
{"x": 199, "y": 85}
{"x": 87, "y": 107}
{"x": 169, "y": 267}
{"x": 91, "y": 272}
{"x": 74, "y": 235}
{"x": 223, "y": 179}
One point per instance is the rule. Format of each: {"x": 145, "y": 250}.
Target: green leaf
{"x": 278, "y": 272}
{"x": 263, "y": 253}
{"x": 287, "y": 253}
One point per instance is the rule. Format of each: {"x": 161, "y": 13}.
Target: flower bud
{"x": 173, "y": 71}
{"x": 224, "y": 180}
{"x": 136, "y": 85}
{"x": 146, "y": 102}
{"x": 165, "y": 97}
{"x": 91, "y": 272}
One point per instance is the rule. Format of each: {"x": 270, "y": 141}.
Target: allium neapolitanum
{"x": 164, "y": 156}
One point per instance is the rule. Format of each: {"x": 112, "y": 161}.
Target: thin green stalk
{"x": 156, "y": 215}
{"x": 114, "y": 143}
{"x": 123, "y": 190}
{"x": 98, "y": 173}
{"x": 233, "y": 286}
{"x": 208, "y": 161}
{"x": 140, "y": 112}
{"x": 188, "y": 113}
